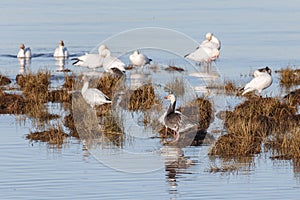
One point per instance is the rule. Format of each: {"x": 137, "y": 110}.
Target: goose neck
{"x": 171, "y": 107}
{"x": 85, "y": 86}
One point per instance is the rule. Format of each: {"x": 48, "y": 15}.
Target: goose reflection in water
{"x": 24, "y": 65}
{"x": 174, "y": 161}
{"x": 61, "y": 62}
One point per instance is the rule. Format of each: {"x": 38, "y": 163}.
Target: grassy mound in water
{"x": 55, "y": 136}
{"x": 4, "y": 80}
{"x": 260, "y": 121}
{"x": 11, "y": 103}
{"x": 199, "y": 110}
{"x": 293, "y": 97}
{"x": 140, "y": 99}
{"x": 35, "y": 86}
{"x": 107, "y": 84}
{"x": 289, "y": 77}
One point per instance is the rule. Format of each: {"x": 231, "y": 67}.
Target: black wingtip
{"x": 75, "y": 62}
{"x": 186, "y": 55}
{"x": 107, "y": 98}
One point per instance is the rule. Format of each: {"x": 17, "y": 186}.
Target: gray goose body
{"x": 175, "y": 120}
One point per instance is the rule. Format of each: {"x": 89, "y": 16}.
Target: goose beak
{"x": 166, "y": 97}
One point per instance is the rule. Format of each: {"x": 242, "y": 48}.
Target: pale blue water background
{"x": 253, "y": 34}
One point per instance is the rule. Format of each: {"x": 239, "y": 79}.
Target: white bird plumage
{"x": 175, "y": 120}
{"x": 91, "y": 60}
{"x": 110, "y": 62}
{"x": 211, "y": 41}
{"x": 262, "y": 80}
{"x": 138, "y": 59}
{"x": 61, "y": 50}
{"x": 207, "y": 51}
{"x": 203, "y": 54}
{"x": 24, "y": 52}
{"x": 93, "y": 96}
{"x": 260, "y": 71}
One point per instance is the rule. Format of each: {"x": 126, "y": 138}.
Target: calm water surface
{"x": 253, "y": 35}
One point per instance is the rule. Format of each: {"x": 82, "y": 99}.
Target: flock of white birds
{"x": 207, "y": 52}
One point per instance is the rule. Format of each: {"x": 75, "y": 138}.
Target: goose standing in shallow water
{"x": 89, "y": 60}
{"x": 93, "y": 96}
{"x": 262, "y": 80}
{"x": 139, "y": 60}
{"x": 24, "y": 52}
{"x": 204, "y": 54}
{"x": 175, "y": 120}
{"x": 61, "y": 50}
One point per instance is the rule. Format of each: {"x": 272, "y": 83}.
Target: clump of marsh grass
{"x": 252, "y": 123}
{"x": 176, "y": 86}
{"x": 35, "y": 86}
{"x": 174, "y": 68}
{"x": 55, "y": 136}
{"x": 95, "y": 124}
{"x": 4, "y": 80}
{"x": 35, "y": 90}
{"x": 143, "y": 98}
{"x": 59, "y": 96}
{"x": 289, "y": 77}
{"x": 293, "y": 97}
{"x": 69, "y": 82}
{"x": 107, "y": 84}
{"x": 228, "y": 87}
{"x": 199, "y": 110}
{"x": 11, "y": 103}
{"x": 69, "y": 123}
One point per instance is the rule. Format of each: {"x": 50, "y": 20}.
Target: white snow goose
{"x": 211, "y": 41}
{"x": 110, "y": 62}
{"x": 261, "y": 81}
{"x": 138, "y": 59}
{"x": 61, "y": 50}
{"x": 91, "y": 61}
{"x": 204, "y": 54}
{"x": 24, "y": 52}
{"x": 93, "y": 96}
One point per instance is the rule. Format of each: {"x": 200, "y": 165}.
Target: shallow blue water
{"x": 253, "y": 34}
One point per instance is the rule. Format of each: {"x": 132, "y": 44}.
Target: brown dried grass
{"x": 4, "y": 80}
{"x": 107, "y": 84}
{"x": 35, "y": 86}
{"x": 142, "y": 98}
{"x": 252, "y": 123}
{"x": 11, "y": 103}
{"x": 55, "y": 136}
{"x": 289, "y": 77}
